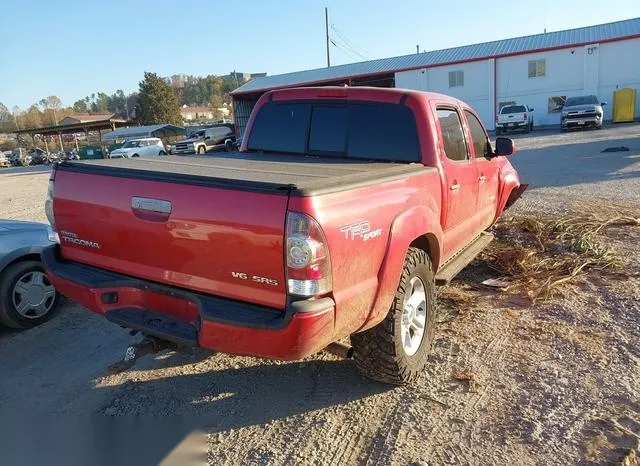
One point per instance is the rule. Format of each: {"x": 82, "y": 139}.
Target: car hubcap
{"x": 414, "y": 316}
{"x": 33, "y": 295}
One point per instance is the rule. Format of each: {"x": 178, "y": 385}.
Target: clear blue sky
{"x": 72, "y": 48}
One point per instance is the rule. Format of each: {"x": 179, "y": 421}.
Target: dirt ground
{"x": 508, "y": 382}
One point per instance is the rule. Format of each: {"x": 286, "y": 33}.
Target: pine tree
{"x": 157, "y": 102}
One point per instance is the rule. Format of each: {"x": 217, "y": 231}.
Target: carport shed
{"x": 150, "y": 131}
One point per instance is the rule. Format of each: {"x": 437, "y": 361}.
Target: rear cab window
{"x": 346, "y": 129}
{"x": 513, "y": 109}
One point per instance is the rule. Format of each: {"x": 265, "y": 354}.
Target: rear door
{"x": 487, "y": 170}
{"x": 461, "y": 180}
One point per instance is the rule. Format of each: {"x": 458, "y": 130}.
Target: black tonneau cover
{"x": 298, "y": 174}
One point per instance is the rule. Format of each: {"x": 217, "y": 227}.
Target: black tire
{"x": 498, "y": 131}
{"x": 162, "y": 153}
{"x": 527, "y": 129}
{"x": 228, "y": 145}
{"x": 135, "y": 155}
{"x": 9, "y": 314}
{"x": 202, "y": 150}
{"x": 378, "y": 352}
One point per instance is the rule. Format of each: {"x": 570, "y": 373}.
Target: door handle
{"x": 482, "y": 179}
{"x": 455, "y": 187}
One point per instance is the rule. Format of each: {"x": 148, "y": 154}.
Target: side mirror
{"x": 504, "y": 147}
{"x": 206, "y": 138}
{"x": 602, "y": 104}
{"x": 531, "y": 109}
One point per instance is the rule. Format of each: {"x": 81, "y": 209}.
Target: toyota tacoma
{"x": 342, "y": 212}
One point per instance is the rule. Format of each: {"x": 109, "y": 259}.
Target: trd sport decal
{"x": 360, "y": 230}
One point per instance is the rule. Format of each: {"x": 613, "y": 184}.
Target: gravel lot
{"x": 546, "y": 382}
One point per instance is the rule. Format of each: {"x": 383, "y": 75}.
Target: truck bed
{"x": 297, "y": 174}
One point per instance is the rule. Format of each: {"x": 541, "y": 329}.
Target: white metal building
{"x": 539, "y": 71}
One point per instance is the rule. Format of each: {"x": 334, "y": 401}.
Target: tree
{"x": 54, "y": 102}
{"x": 4, "y": 112}
{"x": 32, "y": 118}
{"x": 80, "y": 106}
{"x": 101, "y": 103}
{"x": 7, "y": 121}
{"x": 157, "y": 102}
{"x": 215, "y": 101}
{"x": 16, "y": 114}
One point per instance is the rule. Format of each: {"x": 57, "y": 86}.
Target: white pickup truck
{"x": 514, "y": 117}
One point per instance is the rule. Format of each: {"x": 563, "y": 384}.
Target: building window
{"x": 537, "y": 68}
{"x": 456, "y": 78}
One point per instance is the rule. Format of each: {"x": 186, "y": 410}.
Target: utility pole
{"x": 326, "y": 29}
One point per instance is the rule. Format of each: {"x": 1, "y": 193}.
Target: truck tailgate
{"x": 225, "y": 242}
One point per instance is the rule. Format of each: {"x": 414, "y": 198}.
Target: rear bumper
{"x": 194, "y": 319}
{"x": 512, "y": 125}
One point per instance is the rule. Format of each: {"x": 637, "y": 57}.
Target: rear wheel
{"x": 162, "y": 153}
{"x": 498, "y": 131}
{"x": 396, "y": 350}
{"x": 135, "y": 155}
{"x": 27, "y": 298}
{"x": 201, "y": 150}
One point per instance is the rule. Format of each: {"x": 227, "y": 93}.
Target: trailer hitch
{"x": 149, "y": 345}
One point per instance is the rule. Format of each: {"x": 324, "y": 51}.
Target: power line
{"x": 346, "y": 50}
{"x": 349, "y": 43}
{"x": 343, "y": 37}
{"x": 345, "y": 46}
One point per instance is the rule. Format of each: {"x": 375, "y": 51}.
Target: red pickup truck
{"x": 340, "y": 215}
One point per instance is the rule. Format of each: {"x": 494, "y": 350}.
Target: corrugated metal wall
{"x": 241, "y": 112}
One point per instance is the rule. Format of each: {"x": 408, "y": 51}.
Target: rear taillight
{"x": 48, "y": 205}
{"x": 308, "y": 263}
{"x": 526, "y": 117}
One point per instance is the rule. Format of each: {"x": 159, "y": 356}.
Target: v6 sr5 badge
{"x": 361, "y": 230}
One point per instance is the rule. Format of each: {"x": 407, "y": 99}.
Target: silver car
{"x": 27, "y": 298}
{"x": 582, "y": 111}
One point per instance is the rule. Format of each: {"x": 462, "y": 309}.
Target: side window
{"x": 455, "y": 146}
{"x": 480, "y": 139}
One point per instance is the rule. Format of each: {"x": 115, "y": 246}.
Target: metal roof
{"x": 151, "y": 131}
{"x": 505, "y": 47}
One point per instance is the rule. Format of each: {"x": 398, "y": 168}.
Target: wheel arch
{"x": 430, "y": 245}
{"x": 19, "y": 255}
{"x": 415, "y": 227}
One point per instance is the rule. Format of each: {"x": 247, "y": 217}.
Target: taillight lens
{"x": 48, "y": 205}
{"x": 308, "y": 263}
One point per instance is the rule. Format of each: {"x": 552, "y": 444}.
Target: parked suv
{"x": 206, "y": 140}
{"x": 581, "y": 111}
{"x": 514, "y": 117}
{"x": 139, "y": 148}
